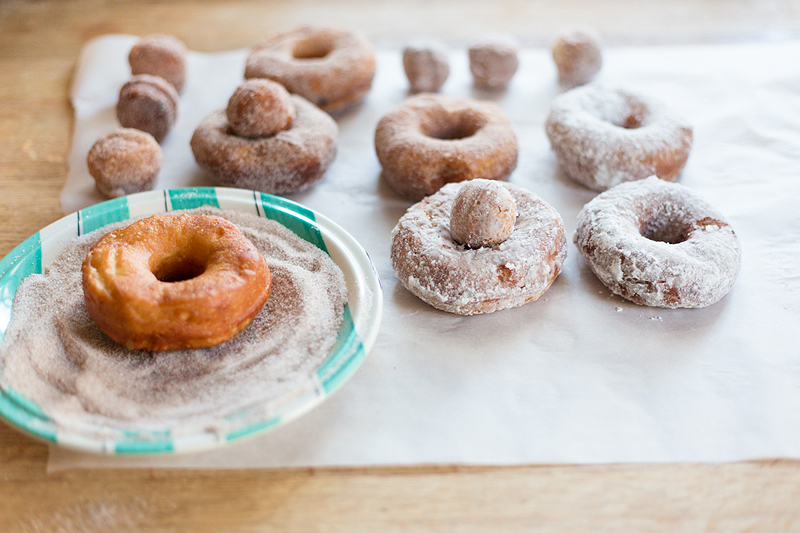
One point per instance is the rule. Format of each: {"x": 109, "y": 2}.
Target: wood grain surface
{"x": 39, "y": 46}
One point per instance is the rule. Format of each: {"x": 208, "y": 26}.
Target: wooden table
{"x": 39, "y": 46}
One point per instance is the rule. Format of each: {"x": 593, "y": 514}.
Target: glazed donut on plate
{"x": 603, "y": 137}
{"x": 431, "y": 139}
{"x": 174, "y": 282}
{"x": 289, "y": 161}
{"x": 655, "y": 243}
{"x": 332, "y": 68}
{"x": 460, "y": 279}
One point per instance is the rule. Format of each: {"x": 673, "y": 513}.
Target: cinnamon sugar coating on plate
{"x": 656, "y": 243}
{"x": 330, "y": 67}
{"x": 603, "y": 137}
{"x": 124, "y": 162}
{"x": 493, "y": 61}
{"x": 290, "y": 161}
{"x": 160, "y": 55}
{"x": 483, "y": 214}
{"x": 148, "y": 103}
{"x": 577, "y": 55}
{"x": 426, "y": 65}
{"x": 430, "y": 140}
{"x": 465, "y": 281}
{"x": 258, "y": 108}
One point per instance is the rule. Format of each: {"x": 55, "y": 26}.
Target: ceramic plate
{"x": 356, "y": 336}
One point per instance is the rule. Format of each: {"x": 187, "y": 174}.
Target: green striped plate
{"x": 356, "y": 335}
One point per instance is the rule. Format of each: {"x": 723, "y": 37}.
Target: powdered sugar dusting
{"x": 466, "y": 281}
{"x": 655, "y": 243}
{"x": 603, "y": 137}
{"x": 55, "y": 355}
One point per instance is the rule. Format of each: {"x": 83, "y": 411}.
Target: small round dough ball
{"x": 577, "y": 56}
{"x": 124, "y": 162}
{"x": 259, "y": 108}
{"x": 148, "y": 103}
{"x": 493, "y": 61}
{"x": 483, "y": 214}
{"x": 426, "y": 65}
{"x": 160, "y": 55}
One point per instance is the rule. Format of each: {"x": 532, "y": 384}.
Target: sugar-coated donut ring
{"x": 289, "y": 161}
{"x": 332, "y": 68}
{"x": 431, "y": 139}
{"x": 603, "y": 137}
{"x": 466, "y": 281}
{"x": 655, "y": 243}
{"x": 174, "y": 282}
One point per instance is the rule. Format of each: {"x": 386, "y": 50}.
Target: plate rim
{"x": 356, "y": 337}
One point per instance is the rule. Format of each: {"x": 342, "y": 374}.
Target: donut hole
{"x": 452, "y": 127}
{"x": 312, "y": 49}
{"x": 634, "y": 117}
{"x": 668, "y": 229}
{"x": 172, "y": 269}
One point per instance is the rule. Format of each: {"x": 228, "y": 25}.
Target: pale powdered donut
{"x": 483, "y": 214}
{"x": 430, "y": 139}
{"x": 289, "y": 161}
{"x": 576, "y": 53}
{"x": 602, "y": 137}
{"x": 426, "y": 65}
{"x": 259, "y": 108}
{"x": 466, "y": 281}
{"x": 160, "y": 55}
{"x": 493, "y": 61}
{"x": 148, "y": 103}
{"x": 330, "y": 67}
{"x": 657, "y": 244}
{"x": 124, "y": 162}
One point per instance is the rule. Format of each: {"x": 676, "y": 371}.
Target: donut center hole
{"x": 634, "y": 118}
{"x": 174, "y": 269}
{"x": 666, "y": 230}
{"x": 311, "y": 49}
{"x": 460, "y": 126}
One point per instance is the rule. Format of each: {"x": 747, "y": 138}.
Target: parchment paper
{"x": 579, "y": 376}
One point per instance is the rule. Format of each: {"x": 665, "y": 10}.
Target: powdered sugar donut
{"x": 603, "y": 137}
{"x": 432, "y": 139}
{"x": 655, "y": 243}
{"x": 466, "y": 281}
{"x": 330, "y": 67}
{"x": 289, "y": 161}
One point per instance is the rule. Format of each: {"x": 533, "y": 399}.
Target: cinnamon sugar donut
{"x": 463, "y": 280}
{"x": 430, "y": 140}
{"x": 124, "y": 162}
{"x": 576, "y": 53}
{"x": 148, "y": 103}
{"x": 289, "y": 161}
{"x": 655, "y": 243}
{"x": 174, "y": 282}
{"x": 330, "y": 67}
{"x": 603, "y": 137}
{"x": 259, "y": 108}
{"x": 160, "y": 55}
{"x": 426, "y": 65}
{"x": 493, "y": 61}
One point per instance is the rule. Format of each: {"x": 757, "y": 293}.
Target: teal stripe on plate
{"x": 20, "y": 416}
{"x": 24, "y": 260}
{"x": 348, "y": 351}
{"x": 193, "y": 197}
{"x": 253, "y": 428}
{"x": 280, "y": 210}
{"x": 143, "y": 446}
{"x": 99, "y": 215}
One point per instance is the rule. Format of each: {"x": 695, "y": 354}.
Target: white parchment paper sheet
{"x": 579, "y": 376}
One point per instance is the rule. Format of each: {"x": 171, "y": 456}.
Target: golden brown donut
{"x": 430, "y": 140}
{"x": 289, "y": 161}
{"x": 124, "y": 162}
{"x": 160, "y": 55}
{"x": 603, "y": 137}
{"x": 174, "y": 282}
{"x": 148, "y": 103}
{"x": 330, "y": 67}
{"x": 655, "y": 243}
{"x": 458, "y": 279}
